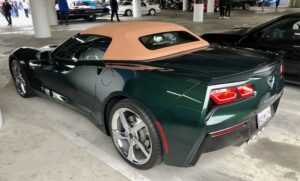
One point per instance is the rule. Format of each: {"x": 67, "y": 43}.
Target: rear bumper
{"x": 248, "y": 129}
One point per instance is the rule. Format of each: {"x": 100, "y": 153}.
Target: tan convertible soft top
{"x": 125, "y": 43}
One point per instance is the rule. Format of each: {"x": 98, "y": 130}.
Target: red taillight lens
{"x": 232, "y": 94}
{"x": 223, "y": 96}
{"x": 246, "y": 91}
{"x": 281, "y": 71}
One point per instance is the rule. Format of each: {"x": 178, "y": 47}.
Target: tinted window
{"x": 166, "y": 39}
{"x": 83, "y": 47}
{"x": 284, "y": 29}
{"x": 126, "y": 3}
{"x": 143, "y": 5}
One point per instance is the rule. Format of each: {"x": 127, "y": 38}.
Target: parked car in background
{"x": 279, "y": 35}
{"x": 85, "y": 9}
{"x": 266, "y": 3}
{"x": 160, "y": 91}
{"x": 125, "y": 8}
{"x": 244, "y": 4}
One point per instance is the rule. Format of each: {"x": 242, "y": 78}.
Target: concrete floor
{"x": 42, "y": 140}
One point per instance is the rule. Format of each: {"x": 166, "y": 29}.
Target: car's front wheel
{"x": 134, "y": 135}
{"x": 152, "y": 12}
{"x": 20, "y": 79}
{"x": 128, "y": 13}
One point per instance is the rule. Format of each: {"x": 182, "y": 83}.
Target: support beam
{"x": 198, "y": 11}
{"x": 51, "y": 12}
{"x": 1, "y": 119}
{"x": 40, "y": 19}
{"x": 184, "y": 5}
{"x": 210, "y": 6}
{"x": 136, "y": 8}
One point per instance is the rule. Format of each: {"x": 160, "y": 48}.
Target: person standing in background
{"x": 228, "y": 5}
{"x": 222, "y": 4}
{"x": 15, "y": 8}
{"x": 6, "y": 8}
{"x": 277, "y": 3}
{"x": 25, "y": 7}
{"x": 64, "y": 11}
{"x": 114, "y": 10}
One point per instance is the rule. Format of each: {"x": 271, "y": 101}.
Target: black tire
{"x": 128, "y": 12}
{"x": 91, "y": 18}
{"x": 29, "y": 92}
{"x": 152, "y": 12}
{"x": 157, "y": 151}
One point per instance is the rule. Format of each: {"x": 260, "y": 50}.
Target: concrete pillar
{"x": 136, "y": 8}
{"x": 51, "y": 12}
{"x": 1, "y": 119}
{"x": 198, "y": 11}
{"x": 40, "y": 19}
{"x": 184, "y": 5}
{"x": 210, "y": 6}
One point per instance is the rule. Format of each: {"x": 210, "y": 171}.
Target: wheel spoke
{"x": 119, "y": 135}
{"x": 142, "y": 147}
{"x": 123, "y": 120}
{"x": 138, "y": 125}
{"x": 130, "y": 154}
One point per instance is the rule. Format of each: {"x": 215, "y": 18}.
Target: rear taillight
{"x": 245, "y": 91}
{"x": 223, "y": 96}
{"x": 281, "y": 71}
{"x": 231, "y": 94}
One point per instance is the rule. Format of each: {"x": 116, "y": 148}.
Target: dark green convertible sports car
{"x": 160, "y": 91}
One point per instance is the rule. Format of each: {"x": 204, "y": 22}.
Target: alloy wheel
{"x": 131, "y": 136}
{"x": 19, "y": 80}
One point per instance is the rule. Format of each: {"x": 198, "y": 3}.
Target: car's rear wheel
{"x": 134, "y": 135}
{"x": 20, "y": 79}
{"x": 128, "y": 13}
{"x": 152, "y": 12}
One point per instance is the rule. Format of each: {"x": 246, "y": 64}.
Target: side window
{"x": 283, "y": 29}
{"x": 83, "y": 47}
{"x": 143, "y": 5}
{"x": 126, "y": 3}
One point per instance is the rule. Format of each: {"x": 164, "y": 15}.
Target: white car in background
{"x": 125, "y": 8}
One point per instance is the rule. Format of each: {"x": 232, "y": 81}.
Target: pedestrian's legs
{"x": 67, "y": 18}
{"x": 221, "y": 11}
{"x": 26, "y": 13}
{"x": 61, "y": 17}
{"x": 112, "y": 16}
{"x": 8, "y": 19}
{"x": 117, "y": 15}
{"x": 228, "y": 11}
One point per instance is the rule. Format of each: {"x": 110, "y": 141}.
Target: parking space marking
{"x": 121, "y": 167}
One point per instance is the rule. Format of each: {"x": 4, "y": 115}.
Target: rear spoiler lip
{"x": 243, "y": 76}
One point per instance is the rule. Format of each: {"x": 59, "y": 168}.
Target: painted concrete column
{"x": 40, "y": 19}
{"x": 51, "y": 12}
{"x": 210, "y": 6}
{"x": 1, "y": 119}
{"x": 198, "y": 11}
{"x": 184, "y": 5}
{"x": 136, "y": 8}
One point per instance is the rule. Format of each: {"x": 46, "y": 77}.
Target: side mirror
{"x": 46, "y": 55}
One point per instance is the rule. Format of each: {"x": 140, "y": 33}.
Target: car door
{"x": 72, "y": 77}
{"x": 144, "y": 8}
{"x": 276, "y": 37}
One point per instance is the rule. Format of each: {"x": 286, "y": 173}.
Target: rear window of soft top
{"x": 167, "y": 39}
